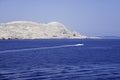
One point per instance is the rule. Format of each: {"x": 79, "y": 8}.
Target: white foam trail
{"x": 30, "y": 49}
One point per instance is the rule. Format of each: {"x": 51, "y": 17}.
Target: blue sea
{"x": 60, "y": 59}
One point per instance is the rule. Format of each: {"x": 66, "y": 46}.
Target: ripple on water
{"x": 65, "y": 72}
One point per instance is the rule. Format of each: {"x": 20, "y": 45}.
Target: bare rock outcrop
{"x": 33, "y": 30}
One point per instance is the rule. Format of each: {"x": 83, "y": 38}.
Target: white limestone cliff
{"x": 33, "y": 30}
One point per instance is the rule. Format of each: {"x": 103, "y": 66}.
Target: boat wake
{"x": 31, "y": 49}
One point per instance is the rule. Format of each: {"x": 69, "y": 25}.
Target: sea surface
{"x": 60, "y": 59}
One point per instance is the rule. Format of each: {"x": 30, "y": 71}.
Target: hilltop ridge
{"x": 34, "y": 30}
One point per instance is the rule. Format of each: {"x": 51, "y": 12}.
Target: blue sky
{"x": 89, "y": 17}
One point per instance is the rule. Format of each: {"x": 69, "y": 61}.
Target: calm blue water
{"x": 96, "y": 60}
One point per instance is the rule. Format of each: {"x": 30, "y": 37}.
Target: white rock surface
{"x": 33, "y": 30}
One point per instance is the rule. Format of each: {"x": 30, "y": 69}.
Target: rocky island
{"x": 34, "y": 30}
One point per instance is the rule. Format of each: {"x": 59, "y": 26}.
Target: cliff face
{"x": 33, "y": 30}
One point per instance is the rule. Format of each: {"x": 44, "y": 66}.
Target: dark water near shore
{"x": 95, "y": 60}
